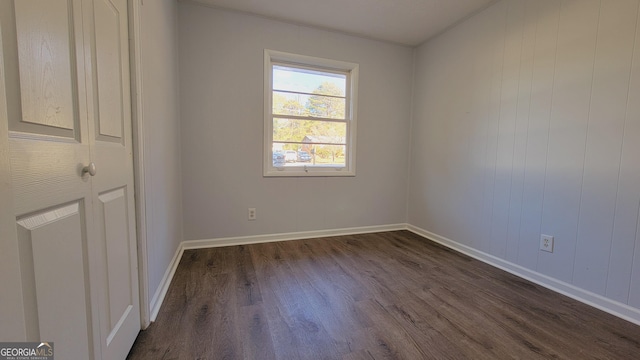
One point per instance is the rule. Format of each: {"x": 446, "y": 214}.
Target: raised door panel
{"x": 44, "y": 34}
{"x": 109, "y": 70}
{"x": 53, "y": 259}
{"x": 118, "y": 267}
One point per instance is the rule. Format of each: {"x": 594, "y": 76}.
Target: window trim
{"x": 272, "y": 57}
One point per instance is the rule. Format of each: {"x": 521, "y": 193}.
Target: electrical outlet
{"x": 252, "y": 214}
{"x": 546, "y": 243}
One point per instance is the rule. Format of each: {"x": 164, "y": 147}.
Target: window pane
{"x": 308, "y": 105}
{"x": 278, "y": 156}
{"x": 286, "y": 155}
{"x": 309, "y": 131}
{"x": 308, "y": 81}
{"x": 290, "y": 104}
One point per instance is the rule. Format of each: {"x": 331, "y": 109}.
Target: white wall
{"x": 221, "y": 86}
{"x": 527, "y": 122}
{"x": 161, "y": 135}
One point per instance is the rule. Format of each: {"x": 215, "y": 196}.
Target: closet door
{"x": 67, "y": 108}
{"x": 44, "y": 79}
{"x": 111, "y": 150}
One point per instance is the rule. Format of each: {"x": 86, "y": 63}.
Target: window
{"x": 310, "y": 116}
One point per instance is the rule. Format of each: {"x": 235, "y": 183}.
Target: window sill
{"x": 276, "y": 172}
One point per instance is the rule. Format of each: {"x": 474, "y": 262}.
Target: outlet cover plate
{"x": 546, "y": 243}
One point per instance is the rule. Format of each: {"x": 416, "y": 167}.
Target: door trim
{"x": 137, "y": 123}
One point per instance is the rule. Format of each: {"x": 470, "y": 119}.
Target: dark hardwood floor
{"x": 390, "y": 295}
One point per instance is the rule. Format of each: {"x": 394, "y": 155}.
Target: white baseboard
{"x": 612, "y": 307}
{"x": 245, "y": 240}
{"x": 161, "y": 292}
{"x": 615, "y": 308}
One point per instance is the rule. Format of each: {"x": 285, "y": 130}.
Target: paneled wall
{"x": 527, "y": 122}
{"x": 221, "y": 94}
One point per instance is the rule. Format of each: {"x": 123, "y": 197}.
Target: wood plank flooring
{"x": 392, "y": 295}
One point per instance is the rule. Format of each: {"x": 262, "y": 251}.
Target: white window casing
{"x": 273, "y": 167}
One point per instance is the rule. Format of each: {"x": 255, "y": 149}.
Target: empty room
{"x": 336, "y": 179}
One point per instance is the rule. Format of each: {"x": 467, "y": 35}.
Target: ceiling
{"x": 407, "y": 22}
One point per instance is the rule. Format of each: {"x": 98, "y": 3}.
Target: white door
{"x": 112, "y": 152}
{"x": 66, "y": 78}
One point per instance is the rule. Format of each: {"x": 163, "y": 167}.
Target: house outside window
{"x": 310, "y": 116}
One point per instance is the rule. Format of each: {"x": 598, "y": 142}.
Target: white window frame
{"x": 272, "y": 57}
